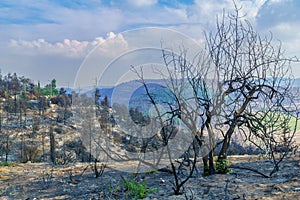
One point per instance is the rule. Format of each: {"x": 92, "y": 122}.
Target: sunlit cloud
{"x": 68, "y": 48}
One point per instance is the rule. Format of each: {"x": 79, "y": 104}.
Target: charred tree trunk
{"x": 52, "y": 145}
{"x": 7, "y": 148}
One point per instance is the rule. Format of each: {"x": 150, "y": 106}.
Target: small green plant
{"x": 135, "y": 189}
{"x": 206, "y": 171}
{"x": 7, "y": 164}
{"x": 221, "y": 167}
{"x": 151, "y": 171}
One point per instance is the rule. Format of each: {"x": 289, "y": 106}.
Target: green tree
{"x": 50, "y": 89}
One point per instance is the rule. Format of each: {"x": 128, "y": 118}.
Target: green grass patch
{"x": 135, "y": 189}
{"x": 278, "y": 120}
{"x": 7, "y": 164}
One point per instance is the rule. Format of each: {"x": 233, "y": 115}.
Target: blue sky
{"x": 51, "y": 38}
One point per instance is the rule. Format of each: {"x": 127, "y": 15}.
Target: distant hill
{"x": 132, "y": 92}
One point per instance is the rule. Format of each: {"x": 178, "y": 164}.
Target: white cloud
{"x": 112, "y": 45}
{"x": 67, "y": 48}
{"x": 142, "y": 3}
{"x": 54, "y": 22}
{"x": 206, "y": 11}
{"x": 289, "y": 35}
{"x": 137, "y": 47}
{"x": 41, "y": 59}
{"x": 251, "y": 8}
{"x": 277, "y": 1}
